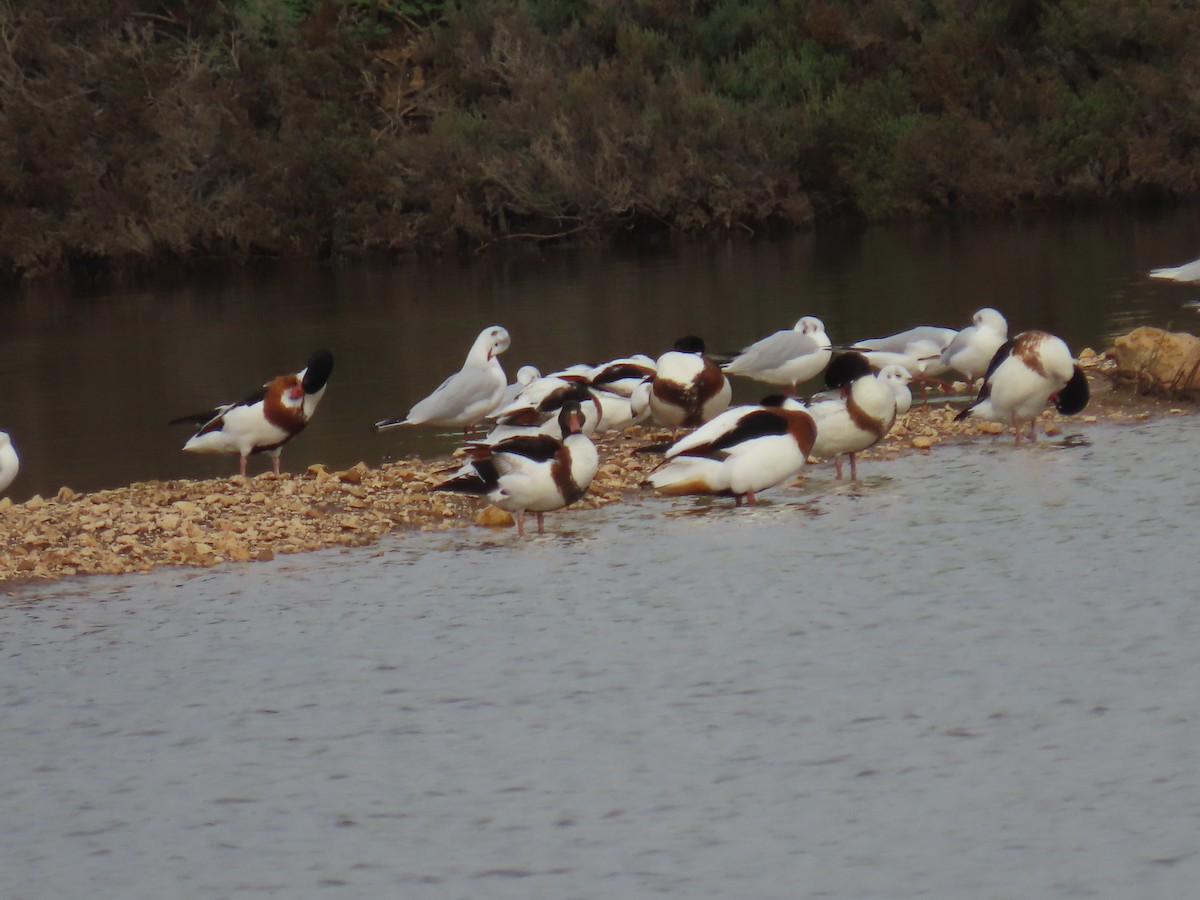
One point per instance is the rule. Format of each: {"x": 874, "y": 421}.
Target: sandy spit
{"x": 203, "y": 523}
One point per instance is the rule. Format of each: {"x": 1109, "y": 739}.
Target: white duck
{"x": 972, "y": 349}
{"x": 742, "y": 451}
{"x": 531, "y": 473}
{"x": 267, "y": 419}
{"x": 688, "y": 388}
{"x": 788, "y": 357}
{"x": 858, "y": 419}
{"x": 1031, "y": 370}
{"x": 10, "y": 463}
{"x": 466, "y": 397}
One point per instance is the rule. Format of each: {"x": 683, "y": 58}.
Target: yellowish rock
{"x": 494, "y": 517}
{"x": 1169, "y": 360}
{"x": 923, "y": 441}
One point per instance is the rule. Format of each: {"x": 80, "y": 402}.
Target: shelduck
{"x": 739, "y": 453}
{"x": 859, "y": 418}
{"x": 267, "y": 419}
{"x": 1031, "y": 370}
{"x": 536, "y": 473}
{"x": 688, "y": 388}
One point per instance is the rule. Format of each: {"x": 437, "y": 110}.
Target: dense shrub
{"x": 133, "y": 132}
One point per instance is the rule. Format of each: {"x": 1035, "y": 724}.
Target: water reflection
{"x": 90, "y": 380}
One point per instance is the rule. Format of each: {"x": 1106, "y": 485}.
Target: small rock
{"x": 494, "y": 517}
{"x": 354, "y": 475}
{"x": 923, "y": 441}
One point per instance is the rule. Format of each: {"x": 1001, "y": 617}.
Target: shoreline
{"x": 146, "y": 525}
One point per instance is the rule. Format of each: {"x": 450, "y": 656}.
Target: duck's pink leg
{"x": 242, "y": 466}
{"x": 521, "y": 523}
{"x": 541, "y": 523}
{"x": 837, "y": 465}
{"x": 853, "y": 467}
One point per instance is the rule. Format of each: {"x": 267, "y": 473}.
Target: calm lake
{"x": 91, "y": 380}
{"x": 970, "y": 675}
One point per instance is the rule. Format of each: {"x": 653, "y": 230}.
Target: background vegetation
{"x": 134, "y": 132}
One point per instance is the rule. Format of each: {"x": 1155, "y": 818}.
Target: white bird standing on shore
{"x": 10, "y": 463}
{"x": 466, "y": 397}
{"x": 1028, "y": 372}
{"x": 972, "y": 349}
{"x": 859, "y": 418}
{"x": 788, "y": 357}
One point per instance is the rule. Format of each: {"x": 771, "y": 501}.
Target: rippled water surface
{"x": 973, "y": 675}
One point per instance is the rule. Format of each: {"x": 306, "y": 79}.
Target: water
{"x": 90, "y": 380}
{"x": 971, "y": 676}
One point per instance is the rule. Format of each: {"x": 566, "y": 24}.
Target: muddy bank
{"x": 202, "y": 523}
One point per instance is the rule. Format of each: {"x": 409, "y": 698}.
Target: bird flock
{"x": 528, "y": 445}
{"x": 537, "y": 453}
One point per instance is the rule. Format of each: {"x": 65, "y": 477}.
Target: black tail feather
{"x": 1074, "y": 397}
